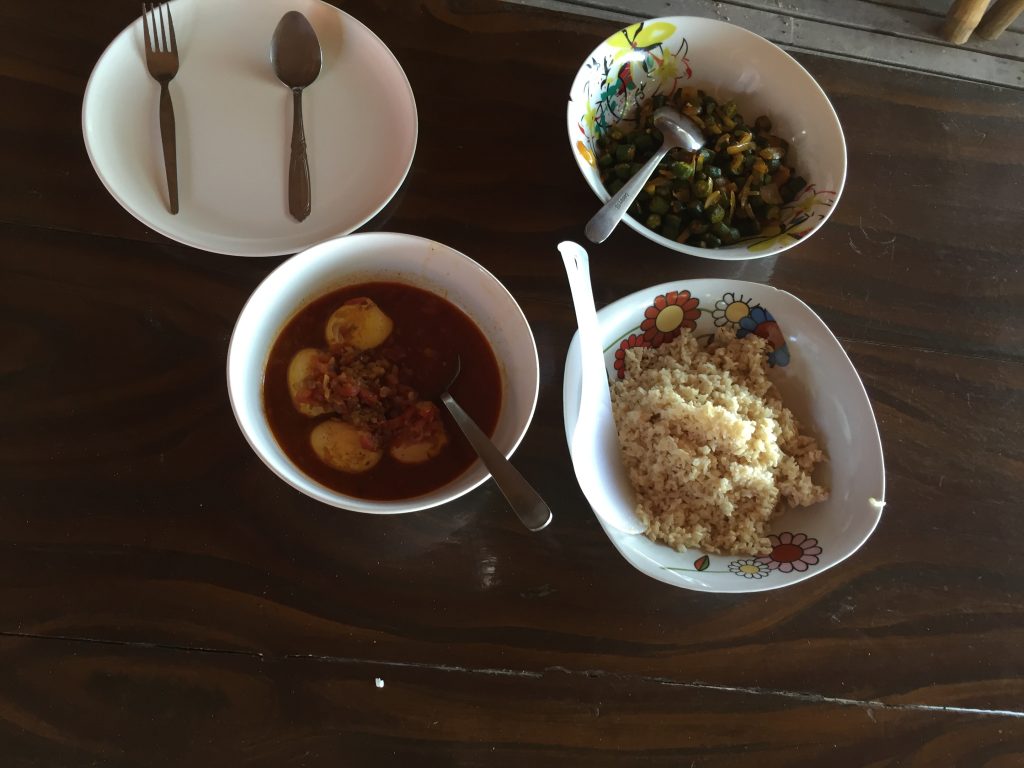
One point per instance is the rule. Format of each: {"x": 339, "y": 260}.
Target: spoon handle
{"x": 521, "y": 496}
{"x": 298, "y": 166}
{"x": 611, "y": 213}
{"x": 594, "y": 443}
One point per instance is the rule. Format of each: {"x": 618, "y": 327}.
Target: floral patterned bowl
{"x": 661, "y": 55}
{"x": 817, "y": 382}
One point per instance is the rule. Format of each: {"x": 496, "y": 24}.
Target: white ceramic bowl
{"x": 381, "y": 256}
{"x": 817, "y": 382}
{"x": 658, "y": 56}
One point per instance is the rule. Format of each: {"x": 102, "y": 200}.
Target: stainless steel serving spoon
{"x": 296, "y": 57}
{"x": 678, "y": 131}
{"x": 524, "y": 500}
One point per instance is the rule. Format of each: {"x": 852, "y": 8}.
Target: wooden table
{"x": 166, "y": 600}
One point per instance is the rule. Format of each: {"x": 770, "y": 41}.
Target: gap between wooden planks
{"x": 905, "y": 35}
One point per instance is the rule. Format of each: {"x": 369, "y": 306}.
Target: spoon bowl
{"x": 296, "y": 56}
{"x": 531, "y": 509}
{"x": 678, "y": 132}
{"x": 295, "y": 51}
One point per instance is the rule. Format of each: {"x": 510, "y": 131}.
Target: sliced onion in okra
{"x": 731, "y": 189}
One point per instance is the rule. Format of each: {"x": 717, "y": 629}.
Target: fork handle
{"x": 298, "y": 167}
{"x": 167, "y": 137}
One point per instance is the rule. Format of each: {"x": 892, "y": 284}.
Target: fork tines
{"x": 158, "y": 43}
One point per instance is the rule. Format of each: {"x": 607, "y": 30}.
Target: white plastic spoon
{"x": 595, "y": 445}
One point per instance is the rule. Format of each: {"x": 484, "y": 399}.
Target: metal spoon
{"x": 296, "y": 57}
{"x": 521, "y": 496}
{"x": 678, "y": 131}
{"x": 594, "y": 447}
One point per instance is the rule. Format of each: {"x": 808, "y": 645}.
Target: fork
{"x": 162, "y": 62}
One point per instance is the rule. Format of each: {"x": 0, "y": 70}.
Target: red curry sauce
{"x": 431, "y": 331}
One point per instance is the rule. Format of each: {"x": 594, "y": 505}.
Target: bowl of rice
{"x": 750, "y": 444}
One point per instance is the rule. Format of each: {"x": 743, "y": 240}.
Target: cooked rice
{"x": 711, "y": 451}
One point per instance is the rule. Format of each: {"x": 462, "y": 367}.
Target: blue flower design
{"x": 761, "y": 323}
{"x": 779, "y": 357}
{"x": 749, "y": 323}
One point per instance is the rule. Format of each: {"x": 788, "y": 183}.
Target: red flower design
{"x": 668, "y": 315}
{"x": 791, "y": 552}
{"x": 620, "y": 353}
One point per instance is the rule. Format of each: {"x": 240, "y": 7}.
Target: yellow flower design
{"x": 589, "y": 118}
{"x": 800, "y": 211}
{"x": 730, "y": 309}
{"x": 782, "y": 239}
{"x": 666, "y": 71}
{"x": 643, "y": 35}
{"x": 809, "y": 202}
{"x": 585, "y": 152}
{"x": 749, "y": 569}
{"x": 669, "y": 313}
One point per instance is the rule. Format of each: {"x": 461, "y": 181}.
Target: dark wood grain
{"x": 177, "y": 532}
{"x": 85, "y": 704}
{"x": 166, "y": 600}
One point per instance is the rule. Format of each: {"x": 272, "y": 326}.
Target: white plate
{"x": 818, "y": 383}
{"x": 233, "y": 119}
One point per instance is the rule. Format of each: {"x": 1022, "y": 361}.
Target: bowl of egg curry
{"x": 337, "y": 361}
